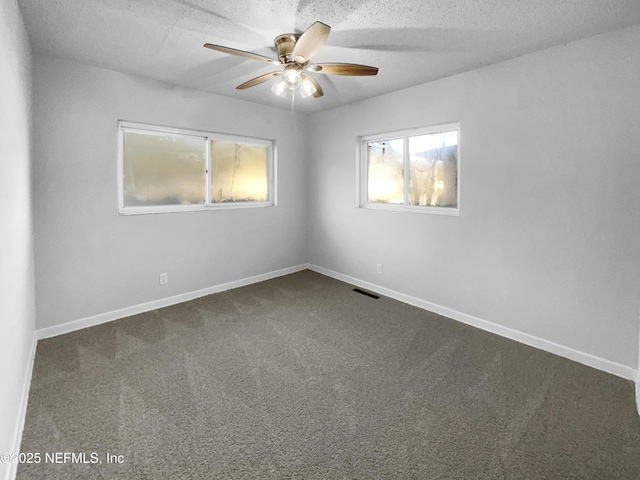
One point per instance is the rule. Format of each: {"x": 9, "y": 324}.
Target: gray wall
{"x": 548, "y": 238}
{"x": 16, "y": 233}
{"x": 90, "y": 260}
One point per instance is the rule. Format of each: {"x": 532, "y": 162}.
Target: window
{"x": 171, "y": 170}
{"x": 415, "y": 170}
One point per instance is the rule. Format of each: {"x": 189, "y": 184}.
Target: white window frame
{"x": 125, "y": 126}
{"x": 362, "y": 173}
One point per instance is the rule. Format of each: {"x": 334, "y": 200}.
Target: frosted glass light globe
{"x": 292, "y": 78}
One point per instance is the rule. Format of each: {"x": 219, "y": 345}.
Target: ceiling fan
{"x": 294, "y": 53}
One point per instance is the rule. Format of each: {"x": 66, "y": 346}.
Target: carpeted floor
{"x": 300, "y": 377}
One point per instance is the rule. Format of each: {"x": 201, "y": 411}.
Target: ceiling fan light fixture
{"x": 292, "y": 78}
{"x": 280, "y": 88}
{"x": 307, "y": 88}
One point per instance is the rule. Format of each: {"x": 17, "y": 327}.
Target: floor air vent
{"x": 368, "y": 294}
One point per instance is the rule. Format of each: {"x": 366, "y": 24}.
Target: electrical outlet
{"x": 379, "y": 269}
{"x": 164, "y": 278}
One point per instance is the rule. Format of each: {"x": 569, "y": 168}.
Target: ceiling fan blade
{"x": 258, "y": 80}
{"x": 318, "y": 92}
{"x": 311, "y": 41}
{"x": 343, "y": 69}
{"x": 242, "y": 53}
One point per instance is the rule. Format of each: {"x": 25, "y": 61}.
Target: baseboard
{"x": 22, "y": 412}
{"x": 638, "y": 373}
{"x": 561, "y": 350}
{"x": 163, "y": 302}
{"x": 638, "y": 392}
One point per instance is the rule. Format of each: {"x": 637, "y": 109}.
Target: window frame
{"x": 207, "y": 136}
{"x": 362, "y": 174}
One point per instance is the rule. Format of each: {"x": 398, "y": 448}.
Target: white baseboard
{"x": 163, "y": 302}
{"x": 638, "y": 392}
{"x": 566, "y": 352}
{"x": 12, "y": 469}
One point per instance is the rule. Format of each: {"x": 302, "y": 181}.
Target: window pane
{"x": 163, "y": 169}
{"x": 433, "y": 169}
{"x": 239, "y": 173}
{"x": 385, "y": 178}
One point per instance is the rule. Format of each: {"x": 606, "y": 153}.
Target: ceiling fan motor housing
{"x": 285, "y": 44}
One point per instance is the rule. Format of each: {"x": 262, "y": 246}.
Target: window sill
{"x": 191, "y": 208}
{"x": 446, "y": 211}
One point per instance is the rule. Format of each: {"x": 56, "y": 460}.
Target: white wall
{"x": 548, "y": 238}
{"x": 16, "y": 233}
{"x": 90, "y": 260}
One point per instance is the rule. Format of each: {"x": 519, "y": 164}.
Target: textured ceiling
{"x": 411, "y": 41}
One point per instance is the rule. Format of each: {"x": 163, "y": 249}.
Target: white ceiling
{"x": 411, "y": 41}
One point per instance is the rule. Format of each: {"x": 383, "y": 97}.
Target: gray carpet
{"x": 300, "y": 377}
